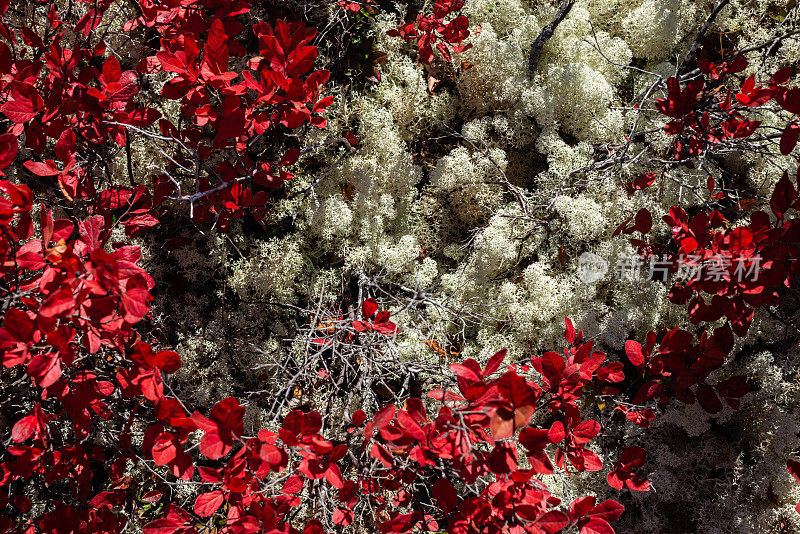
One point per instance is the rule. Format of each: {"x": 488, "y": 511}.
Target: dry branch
{"x": 546, "y": 33}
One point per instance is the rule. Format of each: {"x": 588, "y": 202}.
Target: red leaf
{"x": 788, "y": 100}
{"x": 162, "y": 526}
{"x": 216, "y": 49}
{"x": 609, "y": 510}
{"x": 342, "y": 517}
{"x": 90, "y": 230}
{"x": 45, "y": 368}
{"x": 290, "y": 158}
{"x": 323, "y": 104}
{"x": 334, "y": 476}
{"x": 42, "y": 169}
{"x": 111, "y": 69}
{"x": 781, "y": 76}
{"x": 369, "y": 307}
{"x": 59, "y": 303}
{"x": 585, "y": 431}
{"x": 581, "y": 506}
{"x": 141, "y": 117}
{"x": 612, "y": 372}
{"x": 301, "y": 60}
{"x": 293, "y": 485}
{"x": 794, "y": 469}
{"x": 210, "y": 475}
{"x": 23, "y": 504}
{"x": 708, "y": 399}
{"x": 23, "y": 429}
{"x": 494, "y": 362}
{"x": 383, "y": 326}
{"x": 556, "y": 432}
{"x": 789, "y": 138}
{"x": 644, "y": 221}
{"x": 380, "y": 453}
{"x": 125, "y": 89}
{"x": 637, "y": 484}
{"x": 65, "y": 146}
{"x": 442, "y": 48}
{"x": 633, "y": 457}
{"x": 174, "y": 523}
{"x": 444, "y": 395}
{"x": 135, "y": 302}
{"x": 228, "y": 415}
{"x": 19, "y": 111}
{"x": 8, "y": 150}
{"x": 445, "y": 495}
{"x": 152, "y": 497}
{"x": 633, "y": 350}
{"x": 384, "y": 416}
{"x": 30, "y": 38}
{"x": 30, "y": 425}
{"x": 361, "y": 326}
{"x": 465, "y": 372}
{"x": 644, "y": 181}
{"x": 597, "y": 525}
{"x": 164, "y": 449}
{"x": 569, "y": 333}
{"x": 212, "y": 447}
{"x": 168, "y": 361}
{"x": 400, "y": 523}
{"x": 783, "y": 196}
{"x": 89, "y": 22}
{"x": 622, "y": 226}
{"x": 207, "y": 503}
{"x": 553, "y": 521}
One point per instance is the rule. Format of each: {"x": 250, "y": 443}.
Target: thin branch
{"x": 701, "y": 33}
{"x": 545, "y": 34}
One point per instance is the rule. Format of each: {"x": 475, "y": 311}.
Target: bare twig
{"x": 545, "y": 34}
{"x": 710, "y": 20}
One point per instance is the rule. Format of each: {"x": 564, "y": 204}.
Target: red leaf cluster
{"x": 430, "y": 30}
{"x": 708, "y": 111}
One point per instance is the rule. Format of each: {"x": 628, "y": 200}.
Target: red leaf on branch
{"x": 622, "y": 475}
{"x": 47, "y": 168}
{"x": 165, "y": 449}
{"x": 596, "y": 525}
{"x": 45, "y": 369}
{"x": 207, "y": 504}
{"x": 789, "y": 138}
{"x": 633, "y": 350}
{"x": 32, "y": 425}
{"x": 783, "y": 197}
{"x": 643, "y": 221}
{"x": 445, "y": 495}
{"x": 643, "y": 181}
{"x": 8, "y": 150}
{"x": 24, "y": 105}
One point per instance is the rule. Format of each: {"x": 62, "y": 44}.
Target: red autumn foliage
{"x": 60, "y": 321}
{"x": 623, "y": 476}
{"x": 731, "y": 271}
{"x": 430, "y": 30}
{"x": 376, "y": 321}
{"x": 353, "y": 7}
{"x": 710, "y": 110}
{"x": 92, "y": 401}
{"x": 75, "y": 94}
